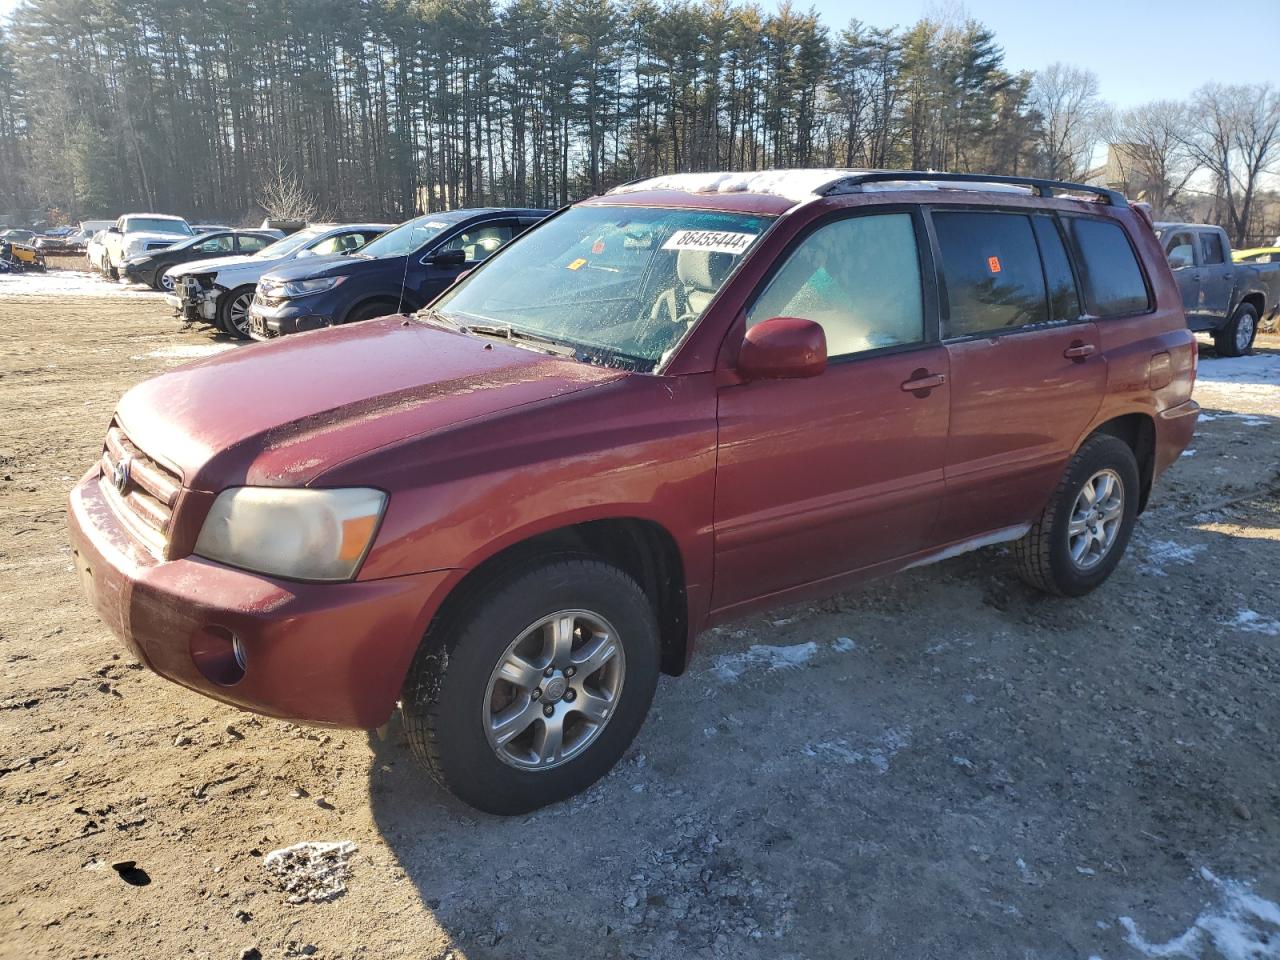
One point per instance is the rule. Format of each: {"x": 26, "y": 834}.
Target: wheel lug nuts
{"x": 570, "y": 671}
{"x": 570, "y": 696}
{"x": 549, "y": 671}
{"x": 537, "y": 693}
{"x": 548, "y": 710}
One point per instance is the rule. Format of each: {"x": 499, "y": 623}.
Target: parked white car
{"x": 139, "y": 233}
{"x": 220, "y": 291}
{"x": 95, "y": 251}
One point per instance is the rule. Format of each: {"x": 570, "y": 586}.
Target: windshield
{"x": 406, "y": 238}
{"x": 623, "y": 285}
{"x": 156, "y": 225}
{"x": 282, "y": 248}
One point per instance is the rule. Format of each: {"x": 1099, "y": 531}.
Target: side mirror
{"x": 783, "y": 348}
{"x": 113, "y": 229}
{"x": 448, "y": 258}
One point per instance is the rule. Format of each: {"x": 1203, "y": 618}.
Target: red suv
{"x": 662, "y": 408}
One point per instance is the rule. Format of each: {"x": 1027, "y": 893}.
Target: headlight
{"x": 294, "y": 289}
{"x": 291, "y": 532}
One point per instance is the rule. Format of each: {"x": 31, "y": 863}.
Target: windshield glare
{"x": 406, "y": 238}
{"x": 156, "y": 225}
{"x": 282, "y": 248}
{"x": 621, "y": 284}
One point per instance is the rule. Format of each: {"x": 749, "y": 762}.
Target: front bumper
{"x": 332, "y": 654}
{"x": 266, "y": 322}
{"x": 194, "y": 303}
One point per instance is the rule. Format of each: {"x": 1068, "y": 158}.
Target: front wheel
{"x": 233, "y": 311}
{"x": 1081, "y": 535}
{"x": 162, "y": 281}
{"x": 1236, "y": 338}
{"x": 533, "y": 690}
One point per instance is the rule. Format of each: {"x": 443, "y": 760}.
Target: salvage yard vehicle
{"x": 18, "y": 257}
{"x": 74, "y": 242}
{"x": 1221, "y": 296}
{"x": 137, "y": 233}
{"x": 219, "y": 291}
{"x": 401, "y": 271}
{"x": 95, "y": 252}
{"x": 152, "y": 268}
{"x": 660, "y": 409}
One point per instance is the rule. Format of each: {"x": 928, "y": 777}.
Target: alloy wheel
{"x": 554, "y": 690}
{"x": 1244, "y": 332}
{"x": 1096, "y": 519}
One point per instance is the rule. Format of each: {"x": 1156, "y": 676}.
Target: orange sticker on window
{"x": 598, "y": 247}
{"x": 993, "y": 264}
{"x": 577, "y": 263}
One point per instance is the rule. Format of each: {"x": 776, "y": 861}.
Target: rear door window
{"x": 1113, "y": 282}
{"x": 1211, "y": 245}
{"x": 992, "y": 269}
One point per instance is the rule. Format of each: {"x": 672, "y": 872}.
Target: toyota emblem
{"x": 120, "y": 474}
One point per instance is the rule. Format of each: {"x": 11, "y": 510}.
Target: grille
{"x": 142, "y": 490}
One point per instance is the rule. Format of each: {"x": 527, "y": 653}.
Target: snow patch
{"x": 731, "y": 666}
{"x": 186, "y": 351}
{"x": 795, "y": 185}
{"x": 68, "y": 283}
{"x": 1254, "y": 622}
{"x": 1161, "y": 553}
{"x": 1240, "y": 926}
{"x": 311, "y": 870}
{"x": 1261, "y": 368}
{"x": 877, "y": 754}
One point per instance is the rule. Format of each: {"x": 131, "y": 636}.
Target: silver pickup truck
{"x": 1226, "y": 299}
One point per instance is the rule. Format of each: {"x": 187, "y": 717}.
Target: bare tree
{"x": 1148, "y": 156}
{"x": 1066, "y": 98}
{"x": 283, "y": 197}
{"x": 1234, "y": 133}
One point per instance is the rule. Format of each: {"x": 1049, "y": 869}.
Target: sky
{"x": 1141, "y": 50}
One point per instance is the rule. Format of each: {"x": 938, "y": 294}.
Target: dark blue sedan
{"x": 400, "y": 272}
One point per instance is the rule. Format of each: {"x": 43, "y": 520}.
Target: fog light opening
{"x": 219, "y": 655}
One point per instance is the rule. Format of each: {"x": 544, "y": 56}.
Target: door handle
{"x": 922, "y": 381}
{"x": 1078, "y": 351}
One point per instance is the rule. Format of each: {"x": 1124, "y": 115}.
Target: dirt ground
{"x": 942, "y": 765}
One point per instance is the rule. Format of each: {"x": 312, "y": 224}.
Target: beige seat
{"x": 699, "y": 274}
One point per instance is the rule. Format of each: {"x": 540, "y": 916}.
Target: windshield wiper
{"x": 507, "y": 332}
{"x": 435, "y": 316}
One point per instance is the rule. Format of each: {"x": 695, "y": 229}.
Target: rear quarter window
{"x": 992, "y": 269}
{"x": 1114, "y": 285}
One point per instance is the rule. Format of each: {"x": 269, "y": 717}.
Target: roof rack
{"x": 1042, "y": 188}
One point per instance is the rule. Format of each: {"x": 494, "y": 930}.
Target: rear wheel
{"x": 233, "y": 311}
{"x": 1236, "y": 338}
{"x": 1082, "y": 534}
{"x": 536, "y": 686}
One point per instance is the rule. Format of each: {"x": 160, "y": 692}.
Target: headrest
{"x": 703, "y": 269}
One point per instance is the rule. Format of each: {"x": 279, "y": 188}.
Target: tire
{"x": 233, "y": 311}
{"x": 454, "y": 691}
{"x": 112, "y": 272}
{"x": 369, "y": 311}
{"x": 158, "y": 281}
{"x": 1044, "y": 556}
{"x": 1236, "y": 338}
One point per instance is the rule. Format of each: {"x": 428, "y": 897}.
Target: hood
{"x": 214, "y": 264}
{"x": 310, "y": 268}
{"x": 146, "y": 236}
{"x": 304, "y": 404}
